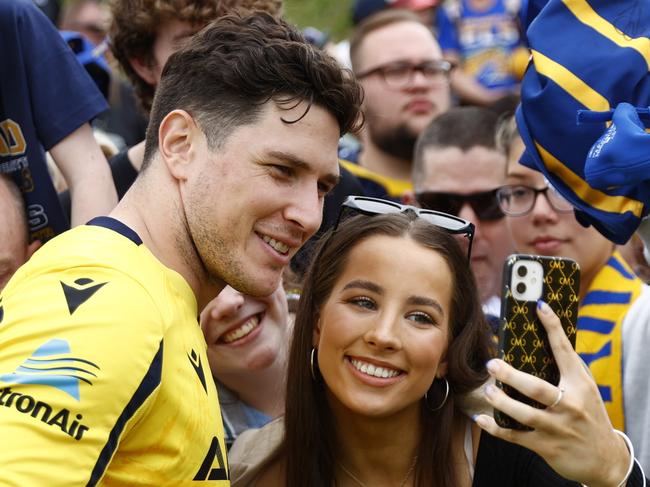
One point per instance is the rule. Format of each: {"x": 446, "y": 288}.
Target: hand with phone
{"x": 572, "y": 432}
{"x": 528, "y": 279}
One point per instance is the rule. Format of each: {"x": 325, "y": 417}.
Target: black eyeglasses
{"x": 400, "y": 73}
{"x": 519, "y": 200}
{"x": 375, "y": 206}
{"x": 484, "y": 204}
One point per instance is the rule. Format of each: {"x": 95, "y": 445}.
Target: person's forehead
{"x": 517, "y": 171}
{"x": 402, "y": 40}
{"x": 451, "y": 169}
{"x": 305, "y": 136}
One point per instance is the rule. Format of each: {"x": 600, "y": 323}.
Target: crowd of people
{"x": 293, "y": 277}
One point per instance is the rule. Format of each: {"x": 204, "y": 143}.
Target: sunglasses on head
{"x": 484, "y": 204}
{"x": 366, "y": 205}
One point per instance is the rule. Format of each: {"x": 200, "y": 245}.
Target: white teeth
{"x": 242, "y": 331}
{"x": 374, "y": 370}
{"x": 279, "y": 246}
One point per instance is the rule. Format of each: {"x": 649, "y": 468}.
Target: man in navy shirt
{"x": 46, "y": 102}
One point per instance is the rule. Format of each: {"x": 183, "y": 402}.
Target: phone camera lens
{"x": 522, "y": 271}
{"x": 521, "y": 287}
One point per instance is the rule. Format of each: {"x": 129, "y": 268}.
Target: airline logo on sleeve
{"x": 50, "y": 365}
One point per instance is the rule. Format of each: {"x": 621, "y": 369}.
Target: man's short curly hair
{"x": 135, "y": 26}
{"x": 225, "y": 74}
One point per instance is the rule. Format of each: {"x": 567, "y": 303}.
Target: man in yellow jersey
{"x": 104, "y": 377}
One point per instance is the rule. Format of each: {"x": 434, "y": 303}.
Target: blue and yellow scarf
{"x": 600, "y": 323}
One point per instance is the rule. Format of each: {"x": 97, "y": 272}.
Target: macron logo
{"x": 53, "y": 365}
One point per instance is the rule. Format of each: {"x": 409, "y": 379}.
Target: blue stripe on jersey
{"x": 117, "y": 226}
{"x": 149, "y": 383}
{"x": 586, "y": 323}
{"x": 618, "y": 267}
{"x": 606, "y": 297}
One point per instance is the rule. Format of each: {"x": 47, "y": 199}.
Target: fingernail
{"x": 492, "y": 366}
{"x": 543, "y": 307}
{"x": 474, "y": 417}
{"x": 481, "y": 421}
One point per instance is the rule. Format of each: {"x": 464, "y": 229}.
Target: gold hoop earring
{"x": 426, "y": 397}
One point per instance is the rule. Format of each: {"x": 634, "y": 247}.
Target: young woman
{"x": 388, "y": 335}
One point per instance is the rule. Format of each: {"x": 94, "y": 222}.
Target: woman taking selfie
{"x": 389, "y": 334}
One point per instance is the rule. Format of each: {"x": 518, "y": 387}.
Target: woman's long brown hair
{"x": 310, "y": 441}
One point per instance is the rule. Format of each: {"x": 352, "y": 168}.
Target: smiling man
{"x": 406, "y": 83}
{"x": 106, "y": 381}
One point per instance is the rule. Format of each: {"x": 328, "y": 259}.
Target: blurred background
{"x": 330, "y": 16}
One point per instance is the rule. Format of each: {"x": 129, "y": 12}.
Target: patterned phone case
{"x": 522, "y": 338}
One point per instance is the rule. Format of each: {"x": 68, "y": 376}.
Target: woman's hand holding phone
{"x": 574, "y": 435}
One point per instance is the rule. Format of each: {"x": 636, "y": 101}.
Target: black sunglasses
{"x": 484, "y": 204}
{"x": 366, "y": 205}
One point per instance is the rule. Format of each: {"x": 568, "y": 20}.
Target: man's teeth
{"x": 279, "y": 246}
{"x": 370, "y": 369}
{"x": 242, "y": 331}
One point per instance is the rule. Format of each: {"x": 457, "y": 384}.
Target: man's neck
{"x": 164, "y": 232}
{"x": 376, "y": 160}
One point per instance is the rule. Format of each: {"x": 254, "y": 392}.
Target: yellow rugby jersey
{"x": 104, "y": 378}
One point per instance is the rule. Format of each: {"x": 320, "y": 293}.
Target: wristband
{"x": 630, "y": 448}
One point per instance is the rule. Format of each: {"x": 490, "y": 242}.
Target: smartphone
{"x": 522, "y": 338}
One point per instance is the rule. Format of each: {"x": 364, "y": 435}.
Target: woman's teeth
{"x": 373, "y": 370}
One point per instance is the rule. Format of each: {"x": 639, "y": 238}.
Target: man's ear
{"x": 408, "y": 198}
{"x": 177, "y": 135}
{"x": 145, "y": 70}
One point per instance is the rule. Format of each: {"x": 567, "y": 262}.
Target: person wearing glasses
{"x": 389, "y": 334}
{"x": 613, "y": 333}
{"x": 406, "y": 83}
{"x": 457, "y": 169}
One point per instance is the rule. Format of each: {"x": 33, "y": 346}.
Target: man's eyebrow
{"x": 291, "y": 159}
{"x": 363, "y": 284}
{"x": 423, "y": 301}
